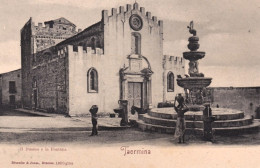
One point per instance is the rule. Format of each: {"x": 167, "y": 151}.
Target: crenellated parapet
{"x": 81, "y": 52}
{"x": 125, "y": 13}
{"x": 170, "y": 62}
{"x": 54, "y": 32}
{"x": 52, "y": 54}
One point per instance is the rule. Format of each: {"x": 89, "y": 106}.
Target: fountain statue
{"x": 195, "y": 83}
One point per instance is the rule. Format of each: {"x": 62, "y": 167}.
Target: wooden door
{"x": 134, "y": 94}
{"x": 12, "y": 100}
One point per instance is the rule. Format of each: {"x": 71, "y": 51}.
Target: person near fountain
{"x": 257, "y": 112}
{"x": 180, "y": 101}
{"x": 180, "y": 124}
{"x": 207, "y": 122}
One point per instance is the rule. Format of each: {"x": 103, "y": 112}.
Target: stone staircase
{"x": 228, "y": 121}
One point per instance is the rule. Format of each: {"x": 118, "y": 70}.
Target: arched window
{"x": 34, "y": 84}
{"x": 93, "y": 43}
{"x": 170, "y": 82}
{"x": 136, "y": 43}
{"x": 92, "y": 80}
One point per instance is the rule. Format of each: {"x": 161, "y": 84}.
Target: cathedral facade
{"x": 118, "y": 58}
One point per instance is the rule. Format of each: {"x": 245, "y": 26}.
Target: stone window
{"x": 12, "y": 87}
{"x": 136, "y": 43}
{"x": 75, "y": 48}
{"x": 93, "y": 43}
{"x": 34, "y": 84}
{"x": 92, "y": 80}
{"x": 170, "y": 82}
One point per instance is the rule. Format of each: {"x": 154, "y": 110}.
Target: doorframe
{"x": 138, "y": 70}
{"x": 145, "y": 79}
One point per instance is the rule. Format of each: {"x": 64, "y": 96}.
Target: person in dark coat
{"x": 257, "y": 112}
{"x": 93, "y": 110}
{"x": 207, "y": 122}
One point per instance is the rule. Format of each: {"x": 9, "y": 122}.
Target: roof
{"x": 10, "y": 71}
{"x": 61, "y": 20}
{"x": 72, "y": 38}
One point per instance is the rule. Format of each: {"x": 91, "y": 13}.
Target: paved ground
{"x": 23, "y": 128}
{"x": 29, "y": 120}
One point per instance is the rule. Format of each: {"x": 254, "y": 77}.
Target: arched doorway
{"x": 136, "y": 82}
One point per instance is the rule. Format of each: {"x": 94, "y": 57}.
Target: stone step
{"x": 164, "y": 129}
{"x": 247, "y": 120}
{"x": 196, "y": 124}
{"x": 196, "y": 116}
{"x": 254, "y": 127}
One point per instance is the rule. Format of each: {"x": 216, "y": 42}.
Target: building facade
{"x": 119, "y": 57}
{"x": 10, "y": 89}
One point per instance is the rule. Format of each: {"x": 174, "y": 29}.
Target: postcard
{"x": 129, "y": 83}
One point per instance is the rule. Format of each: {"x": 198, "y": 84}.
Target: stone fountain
{"x": 195, "y": 83}
{"x": 227, "y": 121}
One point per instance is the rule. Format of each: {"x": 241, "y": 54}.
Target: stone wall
{"x": 49, "y": 74}
{"x": 241, "y": 98}
{"x": 36, "y": 39}
{"x": 47, "y": 36}
{"x": 26, "y": 59}
{"x": 80, "y": 99}
{"x": 5, "y": 92}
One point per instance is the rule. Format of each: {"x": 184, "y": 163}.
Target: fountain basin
{"x": 193, "y": 55}
{"x": 194, "y": 82}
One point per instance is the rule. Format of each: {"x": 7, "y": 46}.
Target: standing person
{"x": 93, "y": 110}
{"x": 207, "y": 122}
{"x": 257, "y": 112}
{"x": 180, "y": 124}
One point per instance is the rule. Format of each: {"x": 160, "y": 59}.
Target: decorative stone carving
{"x": 191, "y": 30}
{"x": 193, "y": 67}
{"x": 136, "y": 22}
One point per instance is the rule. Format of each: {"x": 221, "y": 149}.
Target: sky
{"x": 229, "y": 31}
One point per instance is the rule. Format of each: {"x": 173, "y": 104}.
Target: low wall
{"x": 241, "y": 98}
